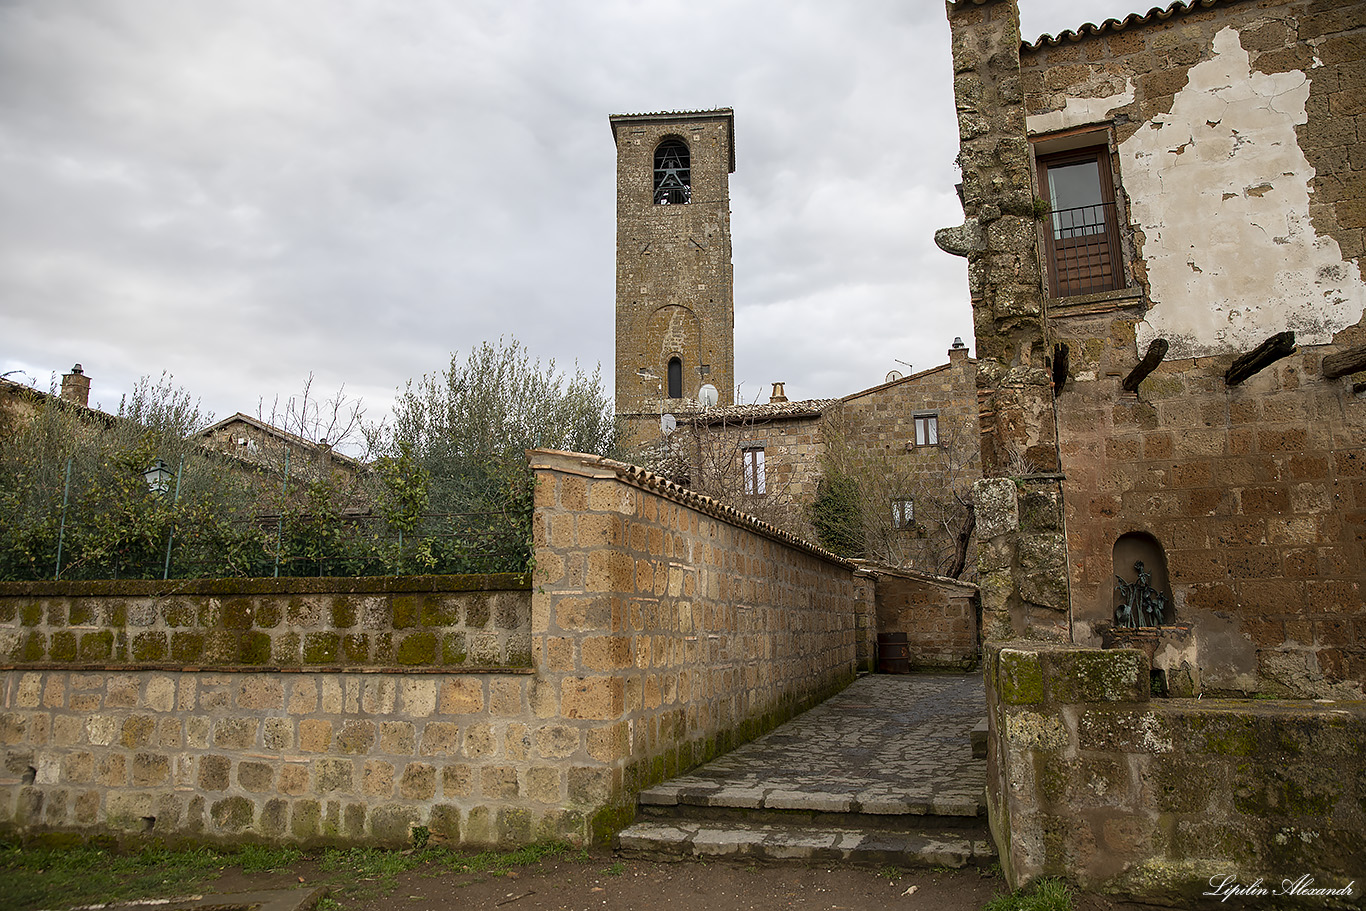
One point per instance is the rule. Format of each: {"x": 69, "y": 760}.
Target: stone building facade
{"x": 1164, "y": 234}
{"x": 912, "y": 443}
{"x": 675, "y": 324}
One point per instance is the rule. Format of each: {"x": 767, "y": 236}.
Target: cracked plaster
{"x": 1220, "y": 189}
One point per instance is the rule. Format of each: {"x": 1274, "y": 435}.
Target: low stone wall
{"x": 673, "y": 628}
{"x": 291, "y": 709}
{"x": 661, "y": 630}
{"x": 938, "y": 616}
{"x": 1168, "y": 799}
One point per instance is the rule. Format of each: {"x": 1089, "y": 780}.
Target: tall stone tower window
{"x": 673, "y": 173}
{"x": 675, "y": 378}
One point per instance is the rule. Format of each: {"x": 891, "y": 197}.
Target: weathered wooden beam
{"x": 1156, "y": 352}
{"x": 1353, "y": 360}
{"x": 1259, "y": 358}
{"x": 1060, "y": 358}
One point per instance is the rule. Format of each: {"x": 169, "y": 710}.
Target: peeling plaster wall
{"x": 1220, "y": 189}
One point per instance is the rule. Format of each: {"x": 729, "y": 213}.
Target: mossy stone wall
{"x": 1091, "y": 779}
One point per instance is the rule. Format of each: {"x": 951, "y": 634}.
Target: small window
{"x": 927, "y": 430}
{"x": 753, "y": 465}
{"x": 903, "y": 512}
{"x": 1082, "y": 232}
{"x": 675, "y": 378}
{"x": 673, "y": 174}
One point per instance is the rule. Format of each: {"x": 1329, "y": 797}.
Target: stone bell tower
{"x": 675, "y": 305}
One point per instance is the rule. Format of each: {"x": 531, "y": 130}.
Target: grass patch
{"x": 266, "y": 858}
{"x": 499, "y": 864}
{"x": 62, "y": 877}
{"x": 1044, "y": 895}
{"x": 36, "y": 877}
{"x": 616, "y": 869}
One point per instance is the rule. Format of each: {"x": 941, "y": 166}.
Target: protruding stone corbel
{"x": 1264, "y": 355}
{"x": 1157, "y": 350}
{"x": 962, "y": 240}
{"x": 1353, "y": 360}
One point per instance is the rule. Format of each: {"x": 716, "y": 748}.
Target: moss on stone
{"x": 117, "y": 615}
{"x": 254, "y": 648}
{"x": 33, "y": 647}
{"x": 63, "y": 646}
{"x": 417, "y": 648}
{"x": 187, "y": 647}
{"x": 97, "y": 646}
{"x": 269, "y": 613}
{"x": 407, "y": 611}
{"x": 179, "y": 613}
{"x": 453, "y": 648}
{"x": 343, "y": 612}
{"x": 149, "y": 647}
{"x": 1020, "y": 677}
{"x": 356, "y": 648}
{"x": 30, "y": 613}
{"x": 610, "y": 820}
{"x": 232, "y": 814}
{"x": 286, "y": 648}
{"x": 1103, "y": 675}
{"x": 236, "y": 613}
{"x": 321, "y": 648}
{"x": 477, "y": 613}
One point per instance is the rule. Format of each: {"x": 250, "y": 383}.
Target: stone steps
{"x": 881, "y": 774}
{"x": 676, "y": 839}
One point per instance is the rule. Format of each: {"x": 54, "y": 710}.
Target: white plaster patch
{"x": 1220, "y": 189}
{"x": 1079, "y": 112}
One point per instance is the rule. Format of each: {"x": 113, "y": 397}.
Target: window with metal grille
{"x": 903, "y": 512}
{"x": 675, "y": 378}
{"x": 927, "y": 429}
{"x": 1082, "y": 229}
{"x": 753, "y": 466}
{"x": 673, "y": 173}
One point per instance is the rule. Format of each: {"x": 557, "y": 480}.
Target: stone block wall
{"x": 1163, "y": 799}
{"x": 303, "y": 714}
{"x": 414, "y": 621}
{"x": 1230, "y": 130}
{"x": 668, "y": 628}
{"x": 663, "y": 629}
{"x": 938, "y": 616}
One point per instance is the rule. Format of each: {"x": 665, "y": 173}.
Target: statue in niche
{"x": 1139, "y": 603}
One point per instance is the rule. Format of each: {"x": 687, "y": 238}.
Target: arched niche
{"x": 1136, "y": 593}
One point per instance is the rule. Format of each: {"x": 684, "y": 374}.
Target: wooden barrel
{"x": 893, "y": 653}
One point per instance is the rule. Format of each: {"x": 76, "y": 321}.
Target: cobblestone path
{"x": 887, "y": 744}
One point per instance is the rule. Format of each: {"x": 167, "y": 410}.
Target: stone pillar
{"x": 1023, "y": 556}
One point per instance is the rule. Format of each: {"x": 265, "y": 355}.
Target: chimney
{"x": 76, "y": 386}
{"x": 959, "y": 351}
{"x": 778, "y": 394}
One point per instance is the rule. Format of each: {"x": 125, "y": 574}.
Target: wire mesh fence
{"x": 290, "y": 546}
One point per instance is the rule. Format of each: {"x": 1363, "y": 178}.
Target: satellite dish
{"x": 893, "y": 376}
{"x": 707, "y": 395}
{"x": 668, "y": 424}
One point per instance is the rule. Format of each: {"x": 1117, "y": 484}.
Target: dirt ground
{"x": 602, "y": 882}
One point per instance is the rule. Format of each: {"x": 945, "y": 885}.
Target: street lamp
{"x": 158, "y": 477}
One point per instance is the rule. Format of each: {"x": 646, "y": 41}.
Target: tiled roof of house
{"x": 766, "y": 411}
{"x": 284, "y": 435}
{"x": 1155, "y": 14}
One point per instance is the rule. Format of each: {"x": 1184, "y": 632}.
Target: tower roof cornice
{"x": 681, "y": 117}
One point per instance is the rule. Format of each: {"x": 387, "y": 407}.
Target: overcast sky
{"x": 243, "y": 193}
